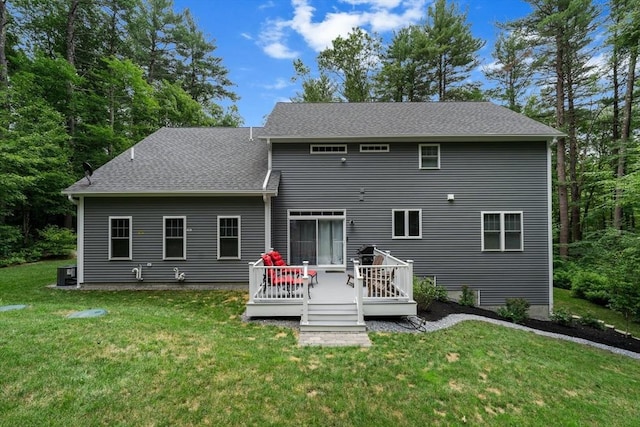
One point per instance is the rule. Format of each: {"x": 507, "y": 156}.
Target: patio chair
{"x": 377, "y": 260}
{"x": 278, "y": 261}
{"x": 285, "y": 279}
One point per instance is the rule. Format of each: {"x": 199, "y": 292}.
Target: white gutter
{"x": 267, "y": 201}
{"x": 550, "y": 222}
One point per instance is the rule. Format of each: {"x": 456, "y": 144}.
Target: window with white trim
{"x": 228, "y": 237}
{"x": 429, "y": 156}
{"x": 174, "y": 236}
{"x": 328, "y": 148}
{"x": 502, "y": 231}
{"x": 374, "y": 148}
{"x": 406, "y": 223}
{"x": 120, "y": 242}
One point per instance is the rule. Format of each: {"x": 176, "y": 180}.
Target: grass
{"x": 562, "y": 299}
{"x": 186, "y": 358}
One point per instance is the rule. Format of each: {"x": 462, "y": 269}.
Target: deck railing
{"x": 263, "y": 285}
{"x": 390, "y": 279}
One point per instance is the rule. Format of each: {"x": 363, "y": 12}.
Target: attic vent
{"x": 328, "y": 149}
{"x": 374, "y": 148}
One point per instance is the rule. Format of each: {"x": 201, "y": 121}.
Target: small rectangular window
{"x": 429, "y": 156}
{"x": 407, "y": 223}
{"x": 374, "y": 148}
{"x": 175, "y": 237}
{"x": 120, "y": 242}
{"x": 328, "y": 149}
{"x": 229, "y": 237}
{"x": 502, "y": 231}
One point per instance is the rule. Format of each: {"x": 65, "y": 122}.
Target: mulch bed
{"x": 438, "y": 310}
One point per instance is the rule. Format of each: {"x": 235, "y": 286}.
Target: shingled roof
{"x": 186, "y": 160}
{"x": 443, "y": 120}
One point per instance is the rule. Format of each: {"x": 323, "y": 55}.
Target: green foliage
{"x": 56, "y": 242}
{"x": 591, "y": 286}
{"x": 515, "y": 310}
{"x": 561, "y": 316}
{"x": 468, "y": 297}
{"x": 426, "y": 292}
{"x": 588, "y": 319}
{"x": 10, "y": 239}
{"x": 562, "y": 279}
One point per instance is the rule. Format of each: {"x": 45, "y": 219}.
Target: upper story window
{"x": 374, "y": 148}
{"x": 502, "y": 231}
{"x": 228, "y": 237}
{"x": 328, "y": 148}
{"x": 407, "y": 223}
{"x": 120, "y": 242}
{"x": 429, "y": 156}
{"x": 174, "y": 237}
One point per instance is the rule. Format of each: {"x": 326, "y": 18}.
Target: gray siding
{"x": 483, "y": 177}
{"x": 201, "y": 265}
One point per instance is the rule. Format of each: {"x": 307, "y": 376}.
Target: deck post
{"x": 252, "y": 283}
{"x": 305, "y": 293}
{"x": 357, "y": 284}
{"x": 410, "y": 279}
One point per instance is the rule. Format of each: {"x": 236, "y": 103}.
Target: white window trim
{"x": 406, "y": 224}
{"x": 342, "y": 146}
{"x": 374, "y": 148}
{"x": 239, "y": 236}
{"x": 502, "y": 231}
{"x": 164, "y": 237}
{"x": 130, "y": 257}
{"x": 420, "y": 156}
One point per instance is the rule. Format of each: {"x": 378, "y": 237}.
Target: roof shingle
{"x": 400, "y": 119}
{"x": 185, "y": 160}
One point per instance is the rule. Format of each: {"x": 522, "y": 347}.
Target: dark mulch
{"x": 438, "y": 310}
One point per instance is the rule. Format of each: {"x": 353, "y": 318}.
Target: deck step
{"x": 333, "y": 317}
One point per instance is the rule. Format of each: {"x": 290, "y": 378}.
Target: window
{"x": 502, "y": 231}
{"x": 120, "y": 237}
{"x": 374, "y": 148}
{"x": 328, "y": 149}
{"x": 407, "y": 223}
{"x": 429, "y": 156}
{"x": 175, "y": 238}
{"x": 228, "y": 237}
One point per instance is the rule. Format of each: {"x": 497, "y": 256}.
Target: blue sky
{"x": 258, "y": 39}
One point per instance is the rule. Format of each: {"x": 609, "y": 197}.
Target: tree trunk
{"x": 71, "y": 57}
{"x": 624, "y": 137}
{"x": 4, "y": 79}
{"x": 563, "y": 203}
{"x": 576, "y": 229}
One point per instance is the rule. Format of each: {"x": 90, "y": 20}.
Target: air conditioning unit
{"x": 67, "y": 275}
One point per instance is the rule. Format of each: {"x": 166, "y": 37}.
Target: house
{"x": 463, "y": 189}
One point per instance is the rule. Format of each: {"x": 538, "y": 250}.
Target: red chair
{"x": 285, "y": 279}
{"x": 278, "y": 261}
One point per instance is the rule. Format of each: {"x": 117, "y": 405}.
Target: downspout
{"x": 267, "y": 200}
{"x": 80, "y": 238}
{"x": 550, "y": 222}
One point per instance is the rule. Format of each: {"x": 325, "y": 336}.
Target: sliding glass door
{"x": 317, "y": 237}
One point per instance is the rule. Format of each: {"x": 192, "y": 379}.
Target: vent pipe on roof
{"x": 132, "y": 154}
{"x": 250, "y": 133}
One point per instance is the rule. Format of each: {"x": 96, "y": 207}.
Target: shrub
{"x": 56, "y": 241}
{"x": 425, "y": 292}
{"x": 10, "y": 238}
{"x": 562, "y": 279}
{"x": 591, "y": 286}
{"x": 588, "y": 319}
{"x": 561, "y": 316}
{"x": 468, "y": 297}
{"x": 515, "y": 310}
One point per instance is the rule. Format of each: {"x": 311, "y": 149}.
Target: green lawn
{"x": 186, "y": 358}
{"x": 562, "y": 298}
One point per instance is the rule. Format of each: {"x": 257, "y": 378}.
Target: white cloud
{"x": 374, "y": 15}
{"x": 280, "y": 83}
{"x": 246, "y": 36}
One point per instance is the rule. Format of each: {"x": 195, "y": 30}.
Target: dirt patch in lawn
{"x": 439, "y": 310}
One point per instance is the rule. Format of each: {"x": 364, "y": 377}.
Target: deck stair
{"x": 333, "y": 317}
